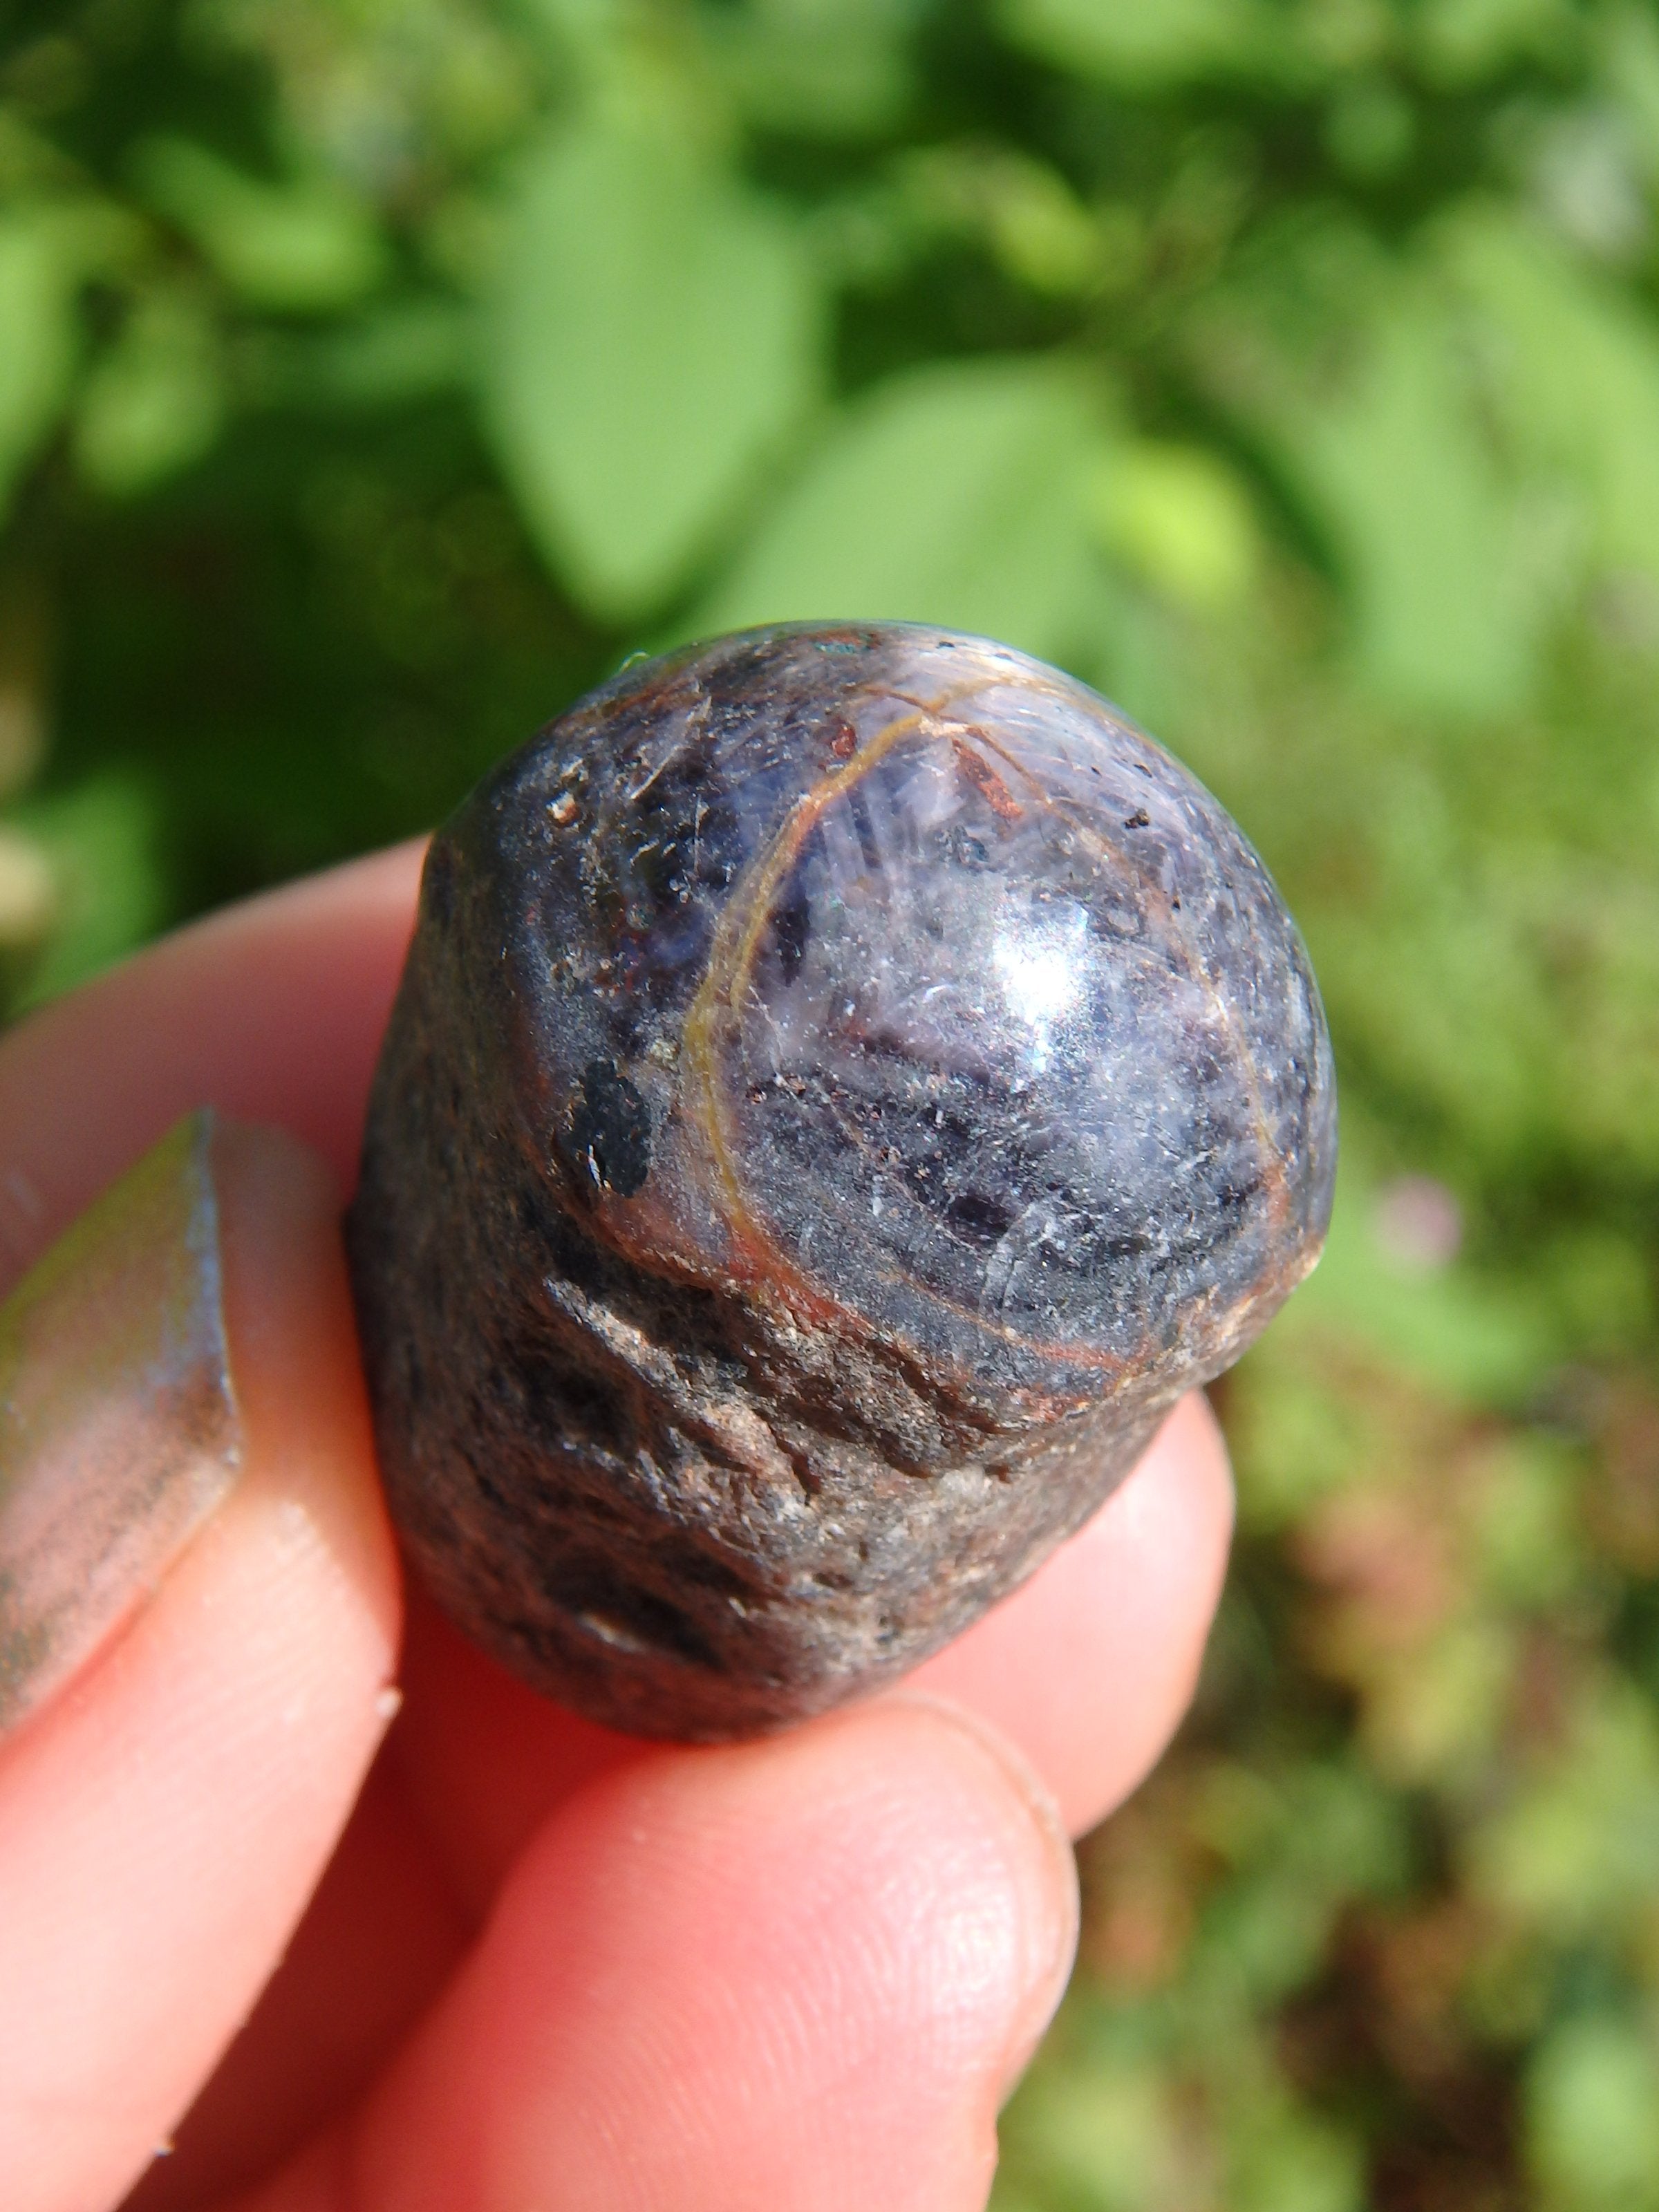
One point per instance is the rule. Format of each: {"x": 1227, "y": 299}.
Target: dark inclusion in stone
{"x": 847, "y": 1083}
{"x": 610, "y": 1131}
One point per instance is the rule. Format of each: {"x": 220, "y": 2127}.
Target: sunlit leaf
{"x": 38, "y": 274}
{"x": 390, "y": 357}
{"x": 1593, "y": 2115}
{"x": 1510, "y": 984}
{"x": 1023, "y": 214}
{"x": 952, "y": 495}
{"x": 1461, "y": 41}
{"x": 1095, "y": 2133}
{"x": 1576, "y": 374}
{"x": 829, "y": 68}
{"x": 155, "y": 402}
{"x": 1181, "y": 518}
{"x": 1370, "y": 127}
{"x": 1373, "y": 423}
{"x": 1627, "y": 38}
{"x": 306, "y": 246}
{"x": 406, "y": 352}
{"x": 100, "y": 841}
{"x": 1572, "y": 1849}
{"x": 1288, "y": 2159}
{"x": 1424, "y": 534}
{"x": 654, "y": 340}
{"x": 1146, "y": 45}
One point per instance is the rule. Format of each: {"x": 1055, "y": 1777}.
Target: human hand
{"x": 523, "y": 1963}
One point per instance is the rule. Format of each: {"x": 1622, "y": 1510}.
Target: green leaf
{"x": 1022, "y": 213}
{"x": 1577, "y": 377}
{"x": 1461, "y": 41}
{"x": 306, "y": 247}
{"x": 410, "y": 351}
{"x": 830, "y": 69}
{"x": 100, "y": 841}
{"x": 1367, "y": 408}
{"x": 1593, "y": 2117}
{"x": 655, "y": 338}
{"x": 1287, "y": 2158}
{"x": 1628, "y": 39}
{"x": 39, "y": 271}
{"x": 1318, "y": 1835}
{"x": 1572, "y": 1847}
{"x": 953, "y": 495}
{"x": 1146, "y": 45}
{"x": 396, "y": 354}
{"x": 156, "y": 401}
{"x": 1181, "y": 518}
{"x": 1424, "y": 531}
{"x": 1103, "y": 2137}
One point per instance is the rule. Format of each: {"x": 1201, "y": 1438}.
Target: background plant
{"x": 375, "y": 375}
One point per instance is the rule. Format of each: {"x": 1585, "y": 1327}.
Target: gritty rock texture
{"x": 847, "y": 1083}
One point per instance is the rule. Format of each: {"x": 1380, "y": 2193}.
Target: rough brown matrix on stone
{"x": 847, "y": 1083}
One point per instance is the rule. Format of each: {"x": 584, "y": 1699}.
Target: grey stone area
{"x": 847, "y": 1083}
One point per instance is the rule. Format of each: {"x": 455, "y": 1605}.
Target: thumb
{"x": 197, "y": 1619}
{"x": 790, "y": 1976}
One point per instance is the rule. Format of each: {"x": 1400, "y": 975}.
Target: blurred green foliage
{"x": 375, "y": 374}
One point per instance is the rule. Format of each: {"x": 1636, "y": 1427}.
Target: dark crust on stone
{"x": 682, "y": 1477}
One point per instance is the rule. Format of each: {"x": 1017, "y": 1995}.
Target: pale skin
{"x": 525, "y": 1965}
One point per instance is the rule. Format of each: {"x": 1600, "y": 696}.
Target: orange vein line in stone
{"x": 728, "y": 968}
{"x": 986, "y": 780}
{"x": 736, "y": 942}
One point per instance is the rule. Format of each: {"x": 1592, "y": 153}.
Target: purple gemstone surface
{"x": 847, "y": 1082}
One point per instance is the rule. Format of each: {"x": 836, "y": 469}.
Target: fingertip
{"x": 1049, "y": 1878}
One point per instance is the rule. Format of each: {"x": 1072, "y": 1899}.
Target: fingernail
{"x": 1049, "y": 1893}
{"x": 119, "y": 1430}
